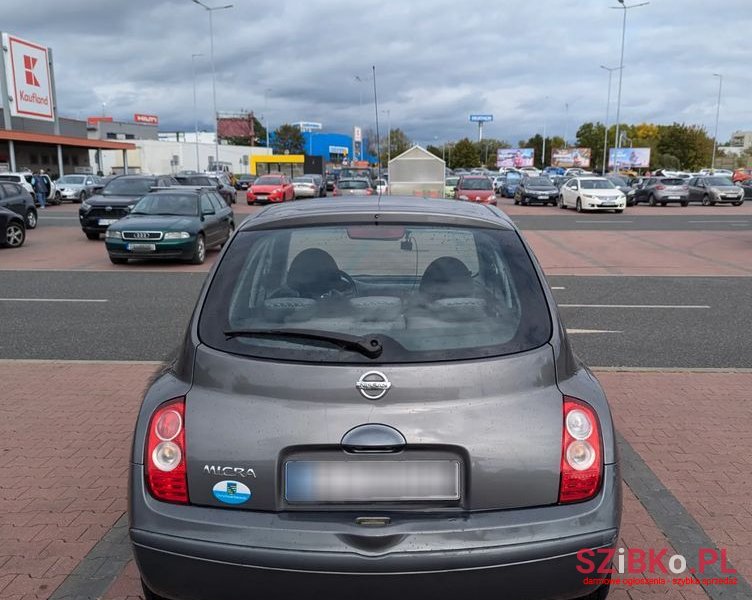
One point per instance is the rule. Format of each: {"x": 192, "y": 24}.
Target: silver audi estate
{"x": 375, "y": 397}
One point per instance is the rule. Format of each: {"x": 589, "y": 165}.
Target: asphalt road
{"x": 549, "y": 220}
{"x": 641, "y": 321}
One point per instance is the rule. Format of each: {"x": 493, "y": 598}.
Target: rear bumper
{"x": 192, "y": 552}
{"x": 179, "y": 249}
{"x": 666, "y": 197}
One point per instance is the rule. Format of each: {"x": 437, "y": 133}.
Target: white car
{"x": 305, "y": 187}
{"x": 381, "y": 186}
{"x": 530, "y": 171}
{"x": 591, "y": 193}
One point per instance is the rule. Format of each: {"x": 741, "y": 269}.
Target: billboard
{"x": 567, "y": 158}
{"x": 94, "y": 121}
{"x": 481, "y": 118}
{"x": 515, "y": 157}
{"x": 27, "y": 70}
{"x": 635, "y": 158}
{"x": 146, "y": 119}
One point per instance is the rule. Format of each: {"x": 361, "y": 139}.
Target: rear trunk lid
{"x": 492, "y": 426}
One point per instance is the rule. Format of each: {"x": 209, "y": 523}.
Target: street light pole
{"x": 210, "y": 10}
{"x": 625, "y": 8}
{"x": 266, "y": 110}
{"x": 608, "y": 106}
{"x": 195, "y": 109}
{"x": 545, "y": 122}
{"x": 717, "y": 116}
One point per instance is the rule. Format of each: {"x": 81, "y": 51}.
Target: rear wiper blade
{"x": 367, "y": 346}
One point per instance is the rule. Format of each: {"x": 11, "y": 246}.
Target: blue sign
{"x": 231, "y": 492}
{"x": 481, "y": 118}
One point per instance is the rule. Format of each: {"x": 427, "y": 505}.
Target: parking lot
{"x": 656, "y": 300}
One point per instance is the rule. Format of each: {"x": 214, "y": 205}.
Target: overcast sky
{"x": 437, "y": 61}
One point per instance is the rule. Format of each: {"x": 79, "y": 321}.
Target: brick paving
{"x": 64, "y": 442}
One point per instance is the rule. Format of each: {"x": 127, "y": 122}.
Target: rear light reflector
{"x": 660, "y": 187}
{"x": 581, "y": 452}
{"x": 164, "y": 458}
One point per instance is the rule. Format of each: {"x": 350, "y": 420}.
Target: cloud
{"x": 436, "y": 61}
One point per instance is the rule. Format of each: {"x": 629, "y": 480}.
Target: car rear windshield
{"x": 672, "y": 181}
{"x": 476, "y": 183}
{"x": 425, "y": 292}
{"x": 184, "y": 205}
{"x": 268, "y": 181}
{"x": 353, "y": 184}
{"x": 596, "y": 184}
{"x": 618, "y": 181}
{"x": 128, "y": 187}
{"x": 195, "y": 180}
{"x": 302, "y": 180}
{"x": 720, "y": 181}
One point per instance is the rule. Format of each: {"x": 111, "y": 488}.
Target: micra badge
{"x": 221, "y": 471}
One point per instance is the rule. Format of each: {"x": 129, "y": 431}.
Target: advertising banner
{"x": 481, "y": 118}
{"x": 27, "y": 71}
{"x": 634, "y": 158}
{"x": 567, "y": 158}
{"x": 515, "y": 157}
{"x": 146, "y": 119}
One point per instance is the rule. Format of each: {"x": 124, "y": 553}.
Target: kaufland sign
{"x": 27, "y": 70}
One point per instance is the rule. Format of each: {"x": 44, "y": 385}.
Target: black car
{"x": 623, "y": 185}
{"x": 116, "y": 200}
{"x": 225, "y": 190}
{"x": 321, "y": 183}
{"x": 244, "y": 182}
{"x": 536, "y": 190}
{"x": 12, "y": 229}
{"x": 331, "y": 181}
{"x": 16, "y": 198}
{"x": 746, "y": 185}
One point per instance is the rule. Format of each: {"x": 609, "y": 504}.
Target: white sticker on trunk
{"x": 231, "y": 492}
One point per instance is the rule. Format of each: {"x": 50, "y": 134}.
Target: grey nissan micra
{"x": 375, "y": 398}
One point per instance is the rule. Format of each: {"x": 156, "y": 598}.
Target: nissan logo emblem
{"x": 373, "y": 385}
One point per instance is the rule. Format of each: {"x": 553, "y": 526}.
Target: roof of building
{"x": 63, "y": 140}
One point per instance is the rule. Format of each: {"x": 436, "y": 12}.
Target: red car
{"x": 475, "y": 188}
{"x": 271, "y": 188}
{"x": 741, "y": 175}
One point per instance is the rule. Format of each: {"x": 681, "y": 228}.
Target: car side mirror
{"x": 206, "y": 212}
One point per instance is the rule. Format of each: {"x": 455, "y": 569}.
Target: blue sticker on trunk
{"x": 231, "y": 492}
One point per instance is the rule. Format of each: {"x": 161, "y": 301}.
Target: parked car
{"x": 530, "y": 171}
{"x": 218, "y": 182}
{"x": 662, "y": 190}
{"x": 20, "y": 179}
{"x": 576, "y": 172}
{"x": 270, "y": 188}
{"x": 244, "y": 181}
{"x": 305, "y": 186}
{"x": 553, "y": 171}
{"x": 746, "y": 187}
{"x": 623, "y": 186}
{"x": 353, "y": 187}
{"x": 12, "y": 229}
{"x": 591, "y": 193}
{"x": 77, "y": 188}
{"x": 331, "y": 180}
{"x": 509, "y": 184}
{"x": 475, "y": 188}
{"x": 381, "y": 186}
{"x": 450, "y": 183}
{"x": 455, "y": 441}
{"x": 320, "y": 184}
{"x": 536, "y": 190}
{"x": 174, "y": 223}
{"x": 714, "y": 189}
{"x": 14, "y": 197}
{"x": 116, "y": 200}
{"x": 741, "y": 175}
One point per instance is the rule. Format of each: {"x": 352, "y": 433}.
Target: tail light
{"x": 335, "y": 192}
{"x": 369, "y": 192}
{"x": 166, "y": 475}
{"x": 660, "y": 187}
{"x": 581, "y": 452}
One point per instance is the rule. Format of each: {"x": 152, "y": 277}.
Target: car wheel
{"x": 651, "y": 200}
{"x": 516, "y": 202}
{"x": 561, "y": 203}
{"x": 578, "y": 206}
{"x": 115, "y": 260}
{"x": 664, "y": 203}
{"x": 82, "y": 196}
{"x": 706, "y": 200}
{"x": 229, "y": 235}
{"x": 250, "y": 202}
{"x": 685, "y": 203}
{"x": 57, "y": 200}
{"x": 712, "y": 203}
{"x": 148, "y": 594}
{"x": 600, "y": 594}
{"x": 739, "y": 203}
{"x": 92, "y": 235}
{"x": 31, "y": 219}
{"x": 15, "y": 235}
{"x": 199, "y": 253}
{"x": 619, "y": 211}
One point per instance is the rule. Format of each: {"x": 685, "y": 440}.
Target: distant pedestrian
{"x": 40, "y": 188}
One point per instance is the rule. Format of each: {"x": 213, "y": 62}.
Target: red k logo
{"x": 30, "y": 64}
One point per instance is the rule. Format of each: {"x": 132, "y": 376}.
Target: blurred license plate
{"x": 136, "y": 247}
{"x": 674, "y": 197}
{"x": 608, "y": 203}
{"x": 372, "y": 481}
{"x": 543, "y": 197}
{"x": 107, "y": 221}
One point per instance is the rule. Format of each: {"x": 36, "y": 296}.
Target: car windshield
{"x": 596, "y": 184}
{"x": 302, "y": 180}
{"x": 353, "y": 184}
{"x": 425, "y": 292}
{"x": 513, "y": 176}
{"x": 719, "y": 181}
{"x": 72, "y": 179}
{"x": 538, "y": 182}
{"x": 268, "y": 181}
{"x": 476, "y": 183}
{"x": 619, "y": 181}
{"x": 185, "y": 205}
{"x": 246, "y": 178}
{"x": 128, "y": 187}
{"x": 195, "y": 180}
{"x": 451, "y": 181}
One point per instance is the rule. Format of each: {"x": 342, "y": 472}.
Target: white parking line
{"x": 53, "y": 300}
{"x": 696, "y": 306}
{"x": 724, "y": 222}
{"x": 592, "y": 331}
{"x": 558, "y": 287}
{"x": 48, "y": 218}
{"x": 602, "y": 221}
